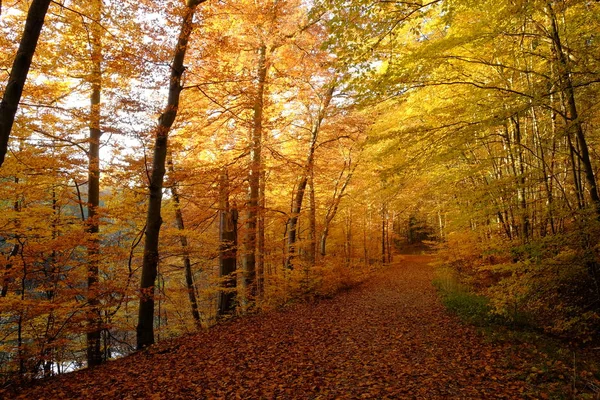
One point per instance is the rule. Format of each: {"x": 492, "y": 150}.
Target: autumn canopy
{"x": 169, "y": 165}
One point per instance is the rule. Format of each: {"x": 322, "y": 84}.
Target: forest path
{"x": 390, "y": 338}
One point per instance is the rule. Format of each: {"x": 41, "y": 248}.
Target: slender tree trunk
{"x": 576, "y": 175}
{"x": 348, "y": 238}
{"x": 390, "y": 222}
{"x": 546, "y": 177}
{"x": 13, "y": 253}
{"x": 332, "y": 210}
{"x": 440, "y": 225}
{"x": 521, "y": 180}
{"x": 260, "y": 244}
{"x": 6, "y": 280}
{"x": 20, "y": 69}
{"x": 292, "y": 224}
{"x": 45, "y": 354}
{"x": 94, "y": 353}
{"x": 312, "y": 222}
{"x": 249, "y": 257}
{"x": 573, "y": 121}
{"x": 187, "y": 264}
{"x": 145, "y": 327}
{"x": 23, "y": 287}
{"x": 511, "y": 169}
{"x": 228, "y": 249}
{"x": 383, "y": 234}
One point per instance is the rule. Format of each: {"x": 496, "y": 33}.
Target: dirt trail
{"x": 388, "y": 339}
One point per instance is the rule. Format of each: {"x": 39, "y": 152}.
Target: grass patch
{"x": 553, "y": 368}
{"x": 468, "y": 306}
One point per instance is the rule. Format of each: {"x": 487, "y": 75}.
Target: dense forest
{"x": 167, "y": 165}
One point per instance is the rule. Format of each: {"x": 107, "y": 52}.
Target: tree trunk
{"x": 512, "y": 169}
{"x": 332, "y": 211}
{"x": 94, "y": 354}
{"x": 541, "y": 154}
{"x": 6, "y": 280}
{"x": 145, "y": 327}
{"x": 383, "y": 233}
{"x": 292, "y": 224}
{"x": 260, "y": 244}
{"x": 228, "y": 249}
{"x": 252, "y": 205}
{"x": 573, "y": 121}
{"x": 389, "y": 238}
{"x": 348, "y": 238}
{"x": 187, "y": 264}
{"x": 521, "y": 180}
{"x": 312, "y": 222}
{"x": 20, "y": 69}
{"x": 13, "y": 253}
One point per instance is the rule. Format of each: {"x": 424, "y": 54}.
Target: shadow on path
{"x": 388, "y": 339}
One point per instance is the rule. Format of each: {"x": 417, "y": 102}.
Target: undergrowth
{"x": 470, "y": 307}
{"x": 556, "y": 370}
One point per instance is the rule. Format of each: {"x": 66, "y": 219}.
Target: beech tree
{"x": 80, "y": 165}
{"x": 94, "y": 355}
{"x": 20, "y": 69}
{"x": 145, "y": 327}
{"x": 292, "y": 224}
{"x": 502, "y": 102}
{"x": 228, "y": 220}
{"x": 340, "y": 132}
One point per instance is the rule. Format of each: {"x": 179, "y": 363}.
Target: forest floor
{"x": 389, "y": 338}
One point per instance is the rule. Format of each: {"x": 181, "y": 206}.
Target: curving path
{"x": 387, "y": 339}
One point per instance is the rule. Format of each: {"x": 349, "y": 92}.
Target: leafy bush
{"x": 322, "y": 280}
{"x": 549, "y": 283}
{"x": 557, "y": 293}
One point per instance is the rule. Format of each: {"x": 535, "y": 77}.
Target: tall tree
{"x": 20, "y": 69}
{"x": 145, "y": 327}
{"x": 292, "y": 224}
{"x": 573, "y": 120}
{"x": 228, "y": 248}
{"x": 94, "y": 355}
{"x": 341, "y": 184}
{"x": 187, "y": 263}
{"x": 254, "y": 174}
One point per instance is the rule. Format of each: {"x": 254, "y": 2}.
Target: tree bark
{"x": 20, "y": 69}
{"x": 332, "y": 211}
{"x": 365, "y": 241}
{"x": 390, "y": 222}
{"x": 260, "y": 244}
{"x": 541, "y": 154}
{"x": 573, "y": 120}
{"x": 228, "y": 249}
{"x": 94, "y": 354}
{"x": 13, "y": 253}
{"x": 252, "y": 205}
{"x": 187, "y": 264}
{"x": 312, "y": 221}
{"x": 145, "y": 327}
{"x": 521, "y": 180}
{"x": 348, "y": 238}
{"x": 383, "y": 234}
{"x": 292, "y": 224}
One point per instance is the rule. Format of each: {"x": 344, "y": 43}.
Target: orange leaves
{"x": 387, "y": 339}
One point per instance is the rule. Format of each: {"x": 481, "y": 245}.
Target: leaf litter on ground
{"x": 389, "y": 338}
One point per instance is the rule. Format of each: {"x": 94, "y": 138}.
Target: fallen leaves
{"x": 390, "y": 338}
